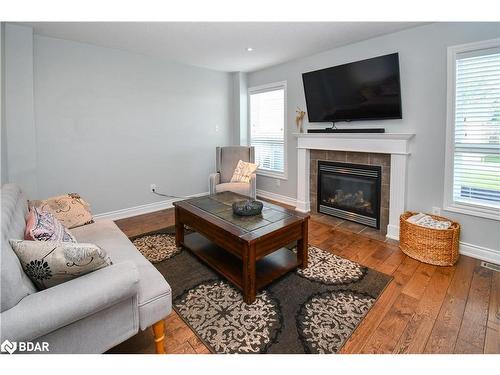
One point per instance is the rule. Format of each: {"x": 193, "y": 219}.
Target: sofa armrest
{"x": 213, "y": 181}
{"x": 253, "y": 185}
{"x": 48, "y": 310}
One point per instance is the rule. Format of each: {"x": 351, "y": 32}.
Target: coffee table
{"x": 248, "y": 251}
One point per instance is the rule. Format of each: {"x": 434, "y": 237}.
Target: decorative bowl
{"x": 247, "y": 207}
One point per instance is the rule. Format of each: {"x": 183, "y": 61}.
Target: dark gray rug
{"x": 306, "y": 311}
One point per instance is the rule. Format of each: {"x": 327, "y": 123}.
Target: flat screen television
{"x": 362, "y": 90}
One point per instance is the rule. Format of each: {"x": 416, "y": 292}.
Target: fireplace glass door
{"x": 350, "y": 191}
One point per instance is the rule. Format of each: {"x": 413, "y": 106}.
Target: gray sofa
{"x": 90, "y": 314}
{"x": 226, "y": 160}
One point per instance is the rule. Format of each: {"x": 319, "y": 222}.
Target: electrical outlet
{"x": 216, "y": 128}
{"x": 436, "y": 211}
{"x": 152, "y": 188}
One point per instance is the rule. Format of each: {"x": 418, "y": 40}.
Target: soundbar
{"x": 331, "y": 130}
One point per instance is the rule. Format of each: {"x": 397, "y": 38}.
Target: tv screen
{"x": 362, "y": 90}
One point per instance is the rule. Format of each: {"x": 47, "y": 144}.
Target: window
{"x": 473, "y": 130}
{"x": 267, "y": 128}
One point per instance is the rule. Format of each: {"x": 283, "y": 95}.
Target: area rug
{"x": 306, "y": 311}
{"x": 158, "y": 245}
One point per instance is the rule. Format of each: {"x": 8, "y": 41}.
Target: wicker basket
{"x": 434, "y": 246}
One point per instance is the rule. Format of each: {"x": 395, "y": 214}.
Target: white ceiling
{"x": 221, "y": 45}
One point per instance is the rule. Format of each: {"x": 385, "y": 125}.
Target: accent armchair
{"x": 226, "y": 160}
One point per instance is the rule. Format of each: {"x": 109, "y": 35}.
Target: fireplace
{"x": 350, "y": 191}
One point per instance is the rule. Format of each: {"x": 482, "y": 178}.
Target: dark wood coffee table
{"x": 249, "y": 251}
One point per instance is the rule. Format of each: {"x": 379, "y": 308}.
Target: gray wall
{"x": 19, "y": 111}
{"x": 109, "y": 123}
{"x": 3, "y": 136}
{"x": 422, "y": 53}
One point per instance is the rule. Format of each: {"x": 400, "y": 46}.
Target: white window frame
{"x": 448, "y": 202}
{"x": 265, "y": 88}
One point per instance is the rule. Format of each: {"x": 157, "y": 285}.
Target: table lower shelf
{"x": 268, "y": 268}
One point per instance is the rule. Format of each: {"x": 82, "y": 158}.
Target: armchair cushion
{"x": 236, "y": 187}
{"x": 243, "y": 171}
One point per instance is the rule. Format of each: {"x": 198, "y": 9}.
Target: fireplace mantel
{"x": 395, "y": 144}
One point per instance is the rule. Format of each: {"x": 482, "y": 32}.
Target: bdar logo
{"x": 8, "y": 346}
{"x": 24, "y": 346}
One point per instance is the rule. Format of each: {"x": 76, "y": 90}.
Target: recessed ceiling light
{"x": 249, "y": 49}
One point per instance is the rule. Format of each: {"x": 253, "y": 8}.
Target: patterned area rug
{"x": 307, "y": 311}
{"x": 157, "y": 246}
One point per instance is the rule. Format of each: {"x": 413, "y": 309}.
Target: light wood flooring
{"x": 425, "y": 308}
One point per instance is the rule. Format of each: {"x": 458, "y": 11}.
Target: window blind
{"x": 476, "y": 173}
{"x": 267, "y": 122}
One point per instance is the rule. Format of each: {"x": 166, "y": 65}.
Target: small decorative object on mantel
{"x": 299, "y": 119}
{"x": 247, "y": 207}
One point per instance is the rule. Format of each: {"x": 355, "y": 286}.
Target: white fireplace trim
{"x": 395, "y": 144}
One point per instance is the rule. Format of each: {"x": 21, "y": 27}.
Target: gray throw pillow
{"x": 49, "y": 263}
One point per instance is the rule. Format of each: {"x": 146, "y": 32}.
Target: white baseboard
{"x": 479, "y": 252}
{"x": 143, "y": 209}
{"x": 277, "y": 197}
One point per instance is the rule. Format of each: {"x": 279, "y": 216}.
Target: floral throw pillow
{"x": 243, "y": 171}
{"x": 51, "y": 263}
{"x": 43, "y": 226}
{"x": 70, "y": 209}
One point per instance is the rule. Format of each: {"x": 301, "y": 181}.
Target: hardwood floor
{"x": 425, "y": 309}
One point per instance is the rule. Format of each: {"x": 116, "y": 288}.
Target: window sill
{"x": 280, "y": 176}
{"x": 474, "y": 211}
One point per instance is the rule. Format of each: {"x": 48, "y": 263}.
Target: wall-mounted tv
{"x": 362, "y": 90}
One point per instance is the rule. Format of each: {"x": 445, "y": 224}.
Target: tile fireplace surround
{"x": 356, "y": 158}
{"x": 394, "y": 144}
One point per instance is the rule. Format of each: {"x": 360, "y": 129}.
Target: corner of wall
{"x": 243, "y": 96}
{"x": 240, "y": 108}
{"x": 3, "y": 146}
{"x": 20, "y": 132}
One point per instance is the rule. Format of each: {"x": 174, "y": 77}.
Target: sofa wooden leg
{"x": 159, "y": 333}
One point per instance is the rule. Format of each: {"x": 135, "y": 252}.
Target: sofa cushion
{"x": 236, "y": 187}
{"x": 154, "y": 295}
{"x": 49, "y": 263}
{"x": 14, "y": 283}
{"x": 43, "y": 226}
{"x": 70, "y": 209}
